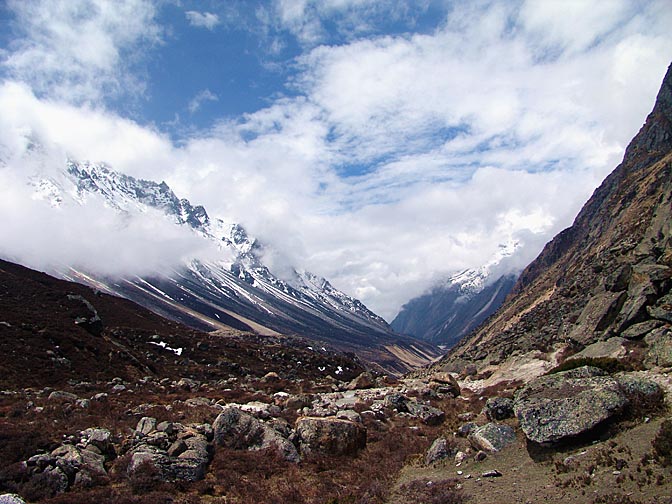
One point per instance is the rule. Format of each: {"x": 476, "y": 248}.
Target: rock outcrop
{"x": 609, "y": 274}
{"x": 329, "y": 436}
{"x": 573, "y": 403}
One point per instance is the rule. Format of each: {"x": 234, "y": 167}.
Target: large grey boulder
{"x": 492, "y": 437}
{"x": 239, "y": 430}
{"x": 329, "y": 436}
{"x": 567, "y": 404}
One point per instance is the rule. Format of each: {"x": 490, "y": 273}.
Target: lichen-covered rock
{"x": 660, "y": 348}
{"x": 640, "y": 392}
{"x": 492, "y": 437}
{"x": 236, "y": 429}
{"x": 329, "y": 436}
{"x": 567, "y": 404}
{"x": 146, "y": 425}
{"x": 439, "y": 450}
{"x": 363, "y": 381}
{"x": 498, "y": 408}
{"x": 445, "y": 383}
{"x": 428, "y": 414}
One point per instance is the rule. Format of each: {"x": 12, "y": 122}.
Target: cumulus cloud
{"x": 80, "y": 50}
{"x": 206, "y": 20}
{"x": 395, "y": 159}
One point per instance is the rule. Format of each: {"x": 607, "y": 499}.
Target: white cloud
{"x": 80, "y": 50}
{"x": 202, "y": 96}
{"x": 497, "y": 125}
{"x": 202, "y": 19}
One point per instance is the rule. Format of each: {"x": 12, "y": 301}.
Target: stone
{"x": 146, "y": 425}
{"x": 662, "y": 309}
{"x": 465, "y": 429}
{"x": 363, "y": 381}
{"x": 351, "y": 415}
{"x": 429, "y": 415}
{"x": 61, "y": 395}
{"x": 659, "y": 352}
{"x": 271, "y": 377}
{"x": 397, "y": 402}
{"x": 480, "y": 456}
{"x": 167, "y": 427}
{"x": 493, "y": 473}
{"x": 567, "y": 404}
{"x": 460, "y": 457}
{"x": 445, "y": 383}
{"x": 640, "y": 391}
{"x": 492, "y": 437}
{"x": 236, "y": 429}
{"x": 637, "y": 331}
{"x": 187, "y": 384}
{"x": 299, "y": 401}
{"x": 177, "y": 448}
{"x": 613, "y": 347}
{"x": 100, "y": 438}
{"x": 439, "y": 450}
{"x": 11, "y": 499}
{"x": 498, "y": 408}
{"x": 599, "y": 312}
{"x": 329, "y": 436}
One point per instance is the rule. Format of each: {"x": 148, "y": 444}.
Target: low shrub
{"x": 662, "y": 443}
{"x": 424, "y": 491}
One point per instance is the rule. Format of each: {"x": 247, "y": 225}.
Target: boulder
{"x": 329, "y": 436}
{"x": 445, "y": 383}
{"x": 428, "y": 414}
{"x": 498, "y": 408}
{"x": 236, "y": 429}
{"x": 660, "y": 348}
{"x": 492, "y": 437}
{"x": 146, "y": 425}
{"x": 567, "y": 404}
{"x": 637, "y": 331}
{"x": 363, "y": 381}
{"x": 61, "y": 395}
{"x": 662, "y": 309}
{"x": 439, "y": 450}
{"x": 613, "y": 347}
{"x": 397, "y": 401}
{"x": 640, "y": 391}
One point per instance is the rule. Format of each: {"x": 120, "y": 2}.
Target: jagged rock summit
{"x": 607, "y": 275}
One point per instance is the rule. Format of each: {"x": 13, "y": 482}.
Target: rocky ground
{"x": 580, "y": 435}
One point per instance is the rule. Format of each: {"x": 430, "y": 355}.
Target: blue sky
{"x": 382, "y": 144}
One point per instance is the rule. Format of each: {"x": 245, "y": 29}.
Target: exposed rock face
{"x": 331, "y": 436}
{"x": 567, "y": 404}
{"x": 607, "y": 275}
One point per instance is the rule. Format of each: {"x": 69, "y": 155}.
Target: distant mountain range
{"x": 235, "y": 288}
{"x": 456, "y": 306}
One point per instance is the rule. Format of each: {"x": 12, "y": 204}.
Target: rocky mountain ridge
{"x": 232, "y": 288}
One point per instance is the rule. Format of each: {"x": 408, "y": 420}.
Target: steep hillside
{"x": 607, "y": 275}
{"x": 449, "y": 312}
